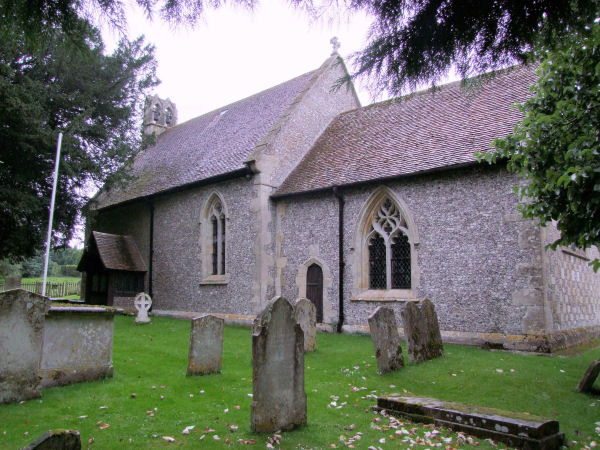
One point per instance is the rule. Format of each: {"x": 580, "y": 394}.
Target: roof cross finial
{"x": 335, "y": 43}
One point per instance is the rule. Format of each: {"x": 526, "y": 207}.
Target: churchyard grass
{"x": 341, "y": 379}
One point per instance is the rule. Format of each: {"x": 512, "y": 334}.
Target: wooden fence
{"x": 53, "y": 290}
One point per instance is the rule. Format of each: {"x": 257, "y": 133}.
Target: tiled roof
{"x": 208, "y": 146}
{"x": 423, "y": 132}
{"x": 119, "y": 252}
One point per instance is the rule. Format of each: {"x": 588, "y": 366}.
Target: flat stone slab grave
{"x": 518, "y": 430}
{"x": 206, "y": 345}
{"x": 586, "y": 384}
{"x": 57, "y": 439}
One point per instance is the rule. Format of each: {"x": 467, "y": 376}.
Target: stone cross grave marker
{"x": 142, "y": 303}
{"x": 22, "y": 320}
{"x": 279, "y": 399}
{"x": 586, "y": 384}
{"x": 206, "y": 345}
{"x": 386, "y": 340}
{"x": 306, "y": 316}
{"x": 422, "y": 331}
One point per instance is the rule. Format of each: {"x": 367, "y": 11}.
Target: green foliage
{"x": 556, "y": 146}
{"x": 413, "y": 42}
{"x": 65, "y": 83}
{"x": 343, "y": 366}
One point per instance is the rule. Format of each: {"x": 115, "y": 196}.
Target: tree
{"x": 556, "y": 146}
{"x": 63, "y": 83}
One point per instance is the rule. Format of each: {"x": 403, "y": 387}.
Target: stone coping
{"x": 58, "y": 308}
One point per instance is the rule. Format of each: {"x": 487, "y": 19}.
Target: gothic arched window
{"x": 388, "y": 249}
{"x": 169, "y": 116}
{"x": 216, "y": 215}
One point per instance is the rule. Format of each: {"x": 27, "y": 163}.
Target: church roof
{"x": 116, "y": 252}
{"x": 427, "y": 131}
{"x": 209, "y": 146}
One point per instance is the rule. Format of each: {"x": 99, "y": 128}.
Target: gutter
{"x": 342, "y": 264}
{"x": 151, "y": 253}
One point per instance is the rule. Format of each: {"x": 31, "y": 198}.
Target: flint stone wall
{"x": 306, "y": 316}
{"x": 422, "y": 331}
{"x": 206, "y": 345}
{"x": 471, "y": 259}
{"x": 22, "y": 318}
{"x": 279, "y": 399}
{"x": 386, "y": 340}
{"x": 77, "y": 345}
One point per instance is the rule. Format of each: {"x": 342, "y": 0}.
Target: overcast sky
{"x": 233, "y": 53}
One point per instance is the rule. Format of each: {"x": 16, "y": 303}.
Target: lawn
{"x": 341, "y": 379}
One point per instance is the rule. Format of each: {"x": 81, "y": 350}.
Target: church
{"x": 299, "y": 191}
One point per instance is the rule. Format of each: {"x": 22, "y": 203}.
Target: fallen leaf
{"x": 187, "y": 429}
{"x": 133, "y": 395}
{"x": 104, "y": 426}
{"x": 216, "y": 437}
{"x": 233, "y": 427}
{"x": 237, "y": 406}
{"x": 103, "y": 407}
{"x": 91, "y": 440}
{"x": 83, "y": 417}
{"x": 168, "y": 438}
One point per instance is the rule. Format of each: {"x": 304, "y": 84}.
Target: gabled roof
{"x": 426, "y": 131}
{"x": 209, "y": 146}
{"x": 116, "y": 252}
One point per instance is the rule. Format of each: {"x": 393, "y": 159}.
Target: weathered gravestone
{"x": 142, "y": 303}
{"x": 57, "y": 440}
{"x": 279, "y": 400}
{"x": 386, "y": 340}
{"x": 586, "y": 384}
{"x": 206, "y": 345}
{"x": 422, "y": 331}
{"x": 12, "y": 282}
{"x": 306, "y": 316}
{"x": 22, "y": 318}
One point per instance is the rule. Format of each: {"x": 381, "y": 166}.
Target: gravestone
{"x": 386, "y": 340}
{"x": 306, "y": 316}
{"x": 12, "y": 282}
{"x": 142, "y": 303}
{"x": 422, "y": 331}
{"x": 57, "y": 440}
{"x": 279, "y": 399}
{"x": 586, "y": 384}
{"x": 22, "y": 318}
{"x": 206, "y": 345}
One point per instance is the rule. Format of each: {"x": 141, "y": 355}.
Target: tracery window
{"x": 389, "y": 249}
{"x": 169, "y": 116}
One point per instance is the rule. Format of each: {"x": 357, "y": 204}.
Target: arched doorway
{"x": 314, "y": 288}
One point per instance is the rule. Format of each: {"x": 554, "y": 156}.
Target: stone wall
{"x": 178, "y": 283}
{"x": 572, "y": 287}
{"x": 477, "y": 261}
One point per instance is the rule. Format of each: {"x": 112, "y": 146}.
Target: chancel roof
{"x": 116, "y": 252}
{"x": 209, "y": 146}
{"x": 423, "y": 132}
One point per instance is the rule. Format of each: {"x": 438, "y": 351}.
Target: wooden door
{"x": 314, "y": 288}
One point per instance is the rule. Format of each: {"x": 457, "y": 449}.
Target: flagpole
{"x": 58, "y": 145}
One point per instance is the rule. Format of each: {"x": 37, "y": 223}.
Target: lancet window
{"x": 216, "y": 215}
